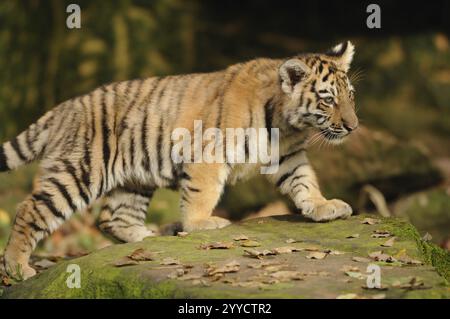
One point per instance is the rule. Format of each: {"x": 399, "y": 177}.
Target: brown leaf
{"x": 240, "y": 237}
{"x": 232, "y": 266}
{"x": 217, "y": 245}
{"x": 262, "y": 264}
{"x": 125, "y": 261}
{"x": 316, "y": 255}
{"x": 256, "y": 253}
{"x": 169, "y": 261}
{"x": 288, "y": 275}
{"x": 402, "y": 257}
{"x": 413, "y": 284}
{"x": 427, "y": 237}
{"x": 389, "y": 242}
{"x": 346, "y": 268}
{"x": 353, "y": 236}
{"x": 285, "y": 250}
{"x": 370, "y": 221}
{"x": 141, "y": 254}
{"x": 333, "y": 252}
{"x": 361, "y": 259}
{"x": 250, "y": 243}
{"x": 380, "y": 256}
{"x": 355, "y": 274}
{"x": 379, "y": 233}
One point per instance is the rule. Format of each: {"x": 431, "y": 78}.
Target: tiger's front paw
{"x": 325, "y": 210}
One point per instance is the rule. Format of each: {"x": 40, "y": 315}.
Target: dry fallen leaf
{"x": 262, "y": 264}
{"x": 291, "y": 241}
{"x": 379, "y": 233}
{"x": 250, "y": 243}
{"x": 427, "y": 237}
{"x": 125, "y": 261}
{"x": 413, "y": 284}
{"x": 346, "y": 268}
{"x": 316, "y": 255}
{"x": 217, "y": 245}
{"x": 250, "y": 252}
{"x": 141, "y": 254}
{"x": 402, "y": 257}
{"x": 334, "y": 252}
{"x": 380, "y": 256}
{"x": 240, "y": 237}
{"x": 287, "y": 275}
{"x": 389, "y": 242}
{"x": 361, "y": 259}
{"x": 232, "y": 266}
{"x": 355, "y": 274}
{"x": 353, "y": 236}
{"x": 285, "y": 250}
{"x": 370, "y": 221}
{"x": 169, "y": 261}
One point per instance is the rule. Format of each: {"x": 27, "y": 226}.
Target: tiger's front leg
{"x": 296, "y": 178}
{"x": 201, "y": 187}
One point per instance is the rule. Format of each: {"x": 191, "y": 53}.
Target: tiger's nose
{"x": 350, "y": 127}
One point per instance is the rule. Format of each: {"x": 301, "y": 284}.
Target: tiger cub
{"x": 115, "y": 143}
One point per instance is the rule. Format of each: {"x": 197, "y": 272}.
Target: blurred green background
{"x": 403, "y": 90}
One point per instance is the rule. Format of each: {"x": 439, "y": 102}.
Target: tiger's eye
{"x": 328, "y": 100}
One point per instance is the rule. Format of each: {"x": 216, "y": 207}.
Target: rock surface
{"x": 234, "y": 274}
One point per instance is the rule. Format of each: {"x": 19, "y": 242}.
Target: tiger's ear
{"x": 343, "y": 55}
{"x": 291, "y": 73}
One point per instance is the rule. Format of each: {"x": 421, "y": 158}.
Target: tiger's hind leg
{"x": 55, "y": 198}
{"x": 123, "y": 214}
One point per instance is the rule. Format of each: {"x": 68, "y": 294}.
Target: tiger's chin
{"x": 333, "y": 138}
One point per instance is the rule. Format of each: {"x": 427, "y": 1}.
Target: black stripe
{"x": 146, "y": 159}
{"x": 296, "y": 178}
{"x": 289, "y": 155}
{"x": 63, "y": 190}
{"x": 72, "y": 171}
{"x": 268, "y": 115}
{"x": 193, "y": 189}
{"x": 144, "y": 144}
{"x": 105, "y": 137}
{"x": 15, "y": 145}
{"x": 3, "y": 164}
{"x": 285, "y": 176}
{"x": 45, "y": 198}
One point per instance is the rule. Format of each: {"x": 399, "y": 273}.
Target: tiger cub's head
{"x": 318, "y": 92}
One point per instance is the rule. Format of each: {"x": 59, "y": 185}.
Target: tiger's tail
{"x": 27, "y": 146}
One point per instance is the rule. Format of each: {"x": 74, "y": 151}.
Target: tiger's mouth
{"x": 334, "y": 137}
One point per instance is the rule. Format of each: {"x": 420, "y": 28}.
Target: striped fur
{"x": 115, "y": 143}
